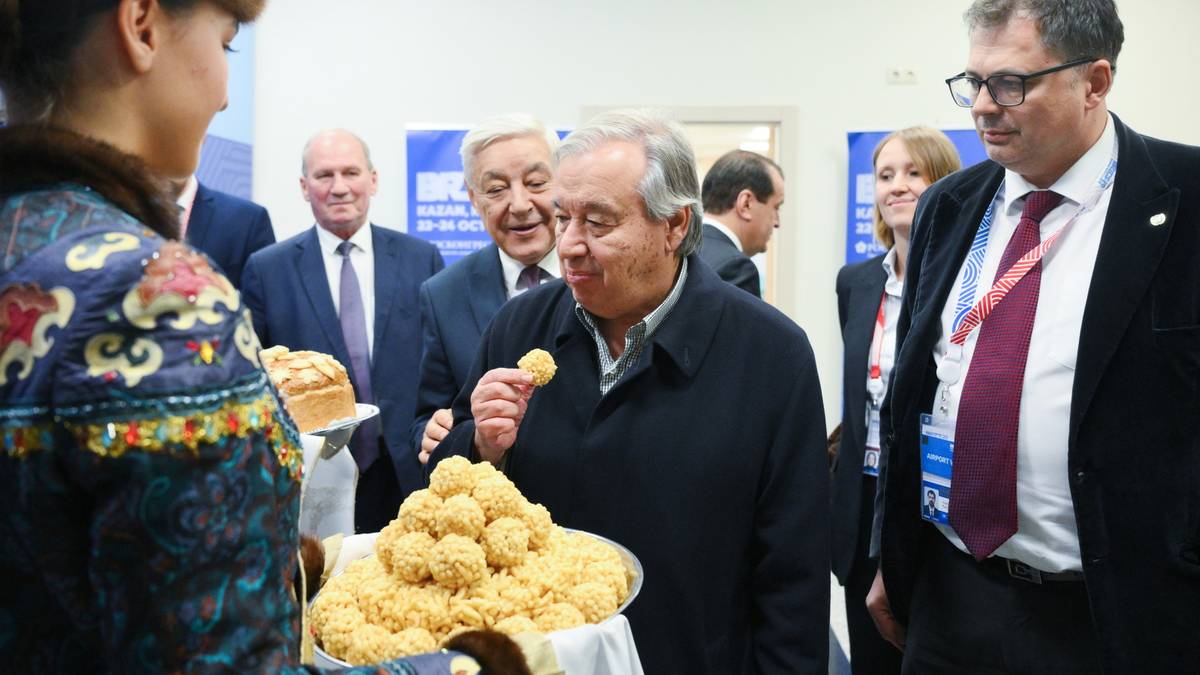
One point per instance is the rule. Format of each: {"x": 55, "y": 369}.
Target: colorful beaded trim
{"x": 234, "y": 419}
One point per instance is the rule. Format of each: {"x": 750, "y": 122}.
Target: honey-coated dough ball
{"x": 597, "y": 601}
{"x": 537, "y": 521}
{"x": 539, "y": 364}
{"x": 370, "y": 645}
{"x": 419, "y": 512}
{"x": 383, "y": 543}
{"x": 452, "y": 476}
{"x": 407, "y": 557}
{"x": 412, "y": 641}
{"x": 516, "y": 624}
{"x": 498, "y": 497}
{"x": 482, "y": 470}
{"x": 558, "y": 616}
{"x": 505, "y": 542}
{"x": 457, "y": 562}
{"x": 613, "y": 576}
{"x": 460, "y": 515}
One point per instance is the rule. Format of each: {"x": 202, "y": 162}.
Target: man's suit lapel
{"x": 391, "y": 276}
{"x": 310, "y": 268}
{"x": 953, "y": 226}
{"x": 575, "y": 354}
{"x": 865, "y": 294}
{"x": 1131, "y": 248}
{"x": 486, "y": 289}
{"x": 201, "y": 217}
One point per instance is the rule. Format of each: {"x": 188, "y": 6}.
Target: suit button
{"x": 1095, "y": 560}
{"x": 1080, "y": 476}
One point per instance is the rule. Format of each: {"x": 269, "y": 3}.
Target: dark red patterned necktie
{"x": 983, "y": 487}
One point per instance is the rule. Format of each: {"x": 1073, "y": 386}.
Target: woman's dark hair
{"x": 38, "y": 39}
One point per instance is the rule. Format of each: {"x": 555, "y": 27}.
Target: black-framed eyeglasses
{"x": 1006, "y": 89}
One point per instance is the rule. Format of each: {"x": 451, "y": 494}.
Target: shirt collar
{"x": 188, "y": 194}
{"x": 724, "y": 229}
{"x": 512, "y": 267}
{"x": 1075, "y": 184}
{"x": 651, "y": 321}
{"x": 893, "y": 285}
{"x": 330, "y": 241}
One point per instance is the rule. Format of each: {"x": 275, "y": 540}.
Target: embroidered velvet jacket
{"x": 149, "y": 478}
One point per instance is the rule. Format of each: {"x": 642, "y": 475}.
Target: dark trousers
{"x": 968, "y": 617}
{"x": 377, "y": 498}
{"x": 870, "y": 654}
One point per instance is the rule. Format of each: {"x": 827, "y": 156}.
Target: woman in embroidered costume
{"x": 149, "y": 478}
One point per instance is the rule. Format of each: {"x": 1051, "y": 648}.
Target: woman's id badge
{"x": 871, "y": 452}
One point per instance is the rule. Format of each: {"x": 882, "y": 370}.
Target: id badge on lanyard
{"x": 937, "y": 462}
{"x": 937, "y": 427}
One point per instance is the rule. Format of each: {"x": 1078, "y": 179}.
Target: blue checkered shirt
{"x": 635, "y": 337}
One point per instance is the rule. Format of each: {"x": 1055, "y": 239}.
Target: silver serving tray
{"x": 363, "y": 412}
{"x": 634, "y": 573}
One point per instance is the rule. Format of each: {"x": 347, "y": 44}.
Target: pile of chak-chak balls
{"x": 470, "y": 552}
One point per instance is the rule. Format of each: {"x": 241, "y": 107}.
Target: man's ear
{"x": 741, "y": 205}
{"x": 141, "y": 25}
{"x": 677, "y": 228}
{"x": 1098, "y": 79}
{"x": 304, "y": 188}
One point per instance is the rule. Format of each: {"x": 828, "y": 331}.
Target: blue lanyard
{"x": 974, "y": 263}
{"x": 966, "y": 295}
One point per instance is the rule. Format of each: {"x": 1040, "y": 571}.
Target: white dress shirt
{"x": 1046, "y": 537}
{"x": 362, "y": 256}
{"x": 892, "y": 288}
{"x": 512, "y": 270}
{"x": 724, "y": 229}
{"x": 187, "y": 197}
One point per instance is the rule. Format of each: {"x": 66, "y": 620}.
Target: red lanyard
{"x": 1003, "y": 285}
{"x": 876, "y": 372}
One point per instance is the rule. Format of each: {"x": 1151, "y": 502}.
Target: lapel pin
{"x": 1158, "y": 219}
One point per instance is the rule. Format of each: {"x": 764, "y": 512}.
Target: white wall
{"x": 375, "y": 65}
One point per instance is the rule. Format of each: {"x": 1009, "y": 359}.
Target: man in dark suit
{"x": 349, "y": 289}
{"x": 506, "y": 166}
{"x": 229, "y": 229}
{"x": 1073, "y": 542}
{"x": 685, "y": 419}
{"x": 742, "y": 194}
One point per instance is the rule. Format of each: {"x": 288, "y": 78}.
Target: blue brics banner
{"x": 438, "y": 208}
{"x": 860, "y": 209}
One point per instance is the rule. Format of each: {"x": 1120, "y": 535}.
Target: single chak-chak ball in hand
{"x": 540, "y": 365}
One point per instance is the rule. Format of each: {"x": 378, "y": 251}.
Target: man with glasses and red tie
{"x": 1045, "y": 388}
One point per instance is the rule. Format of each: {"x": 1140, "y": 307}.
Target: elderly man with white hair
{"x": 685, "y": 420}
{"x": 506, "y": 166}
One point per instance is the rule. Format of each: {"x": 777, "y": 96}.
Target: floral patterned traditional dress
{"x": 149, "y": 479}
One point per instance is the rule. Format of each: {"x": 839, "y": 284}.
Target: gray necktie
{"x": 531, "y": 276}
{"x": 365, "y": 443}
